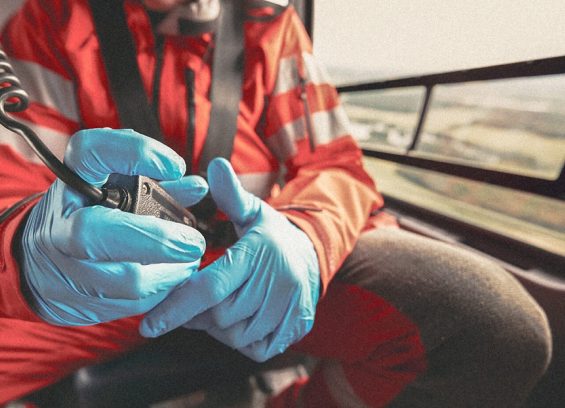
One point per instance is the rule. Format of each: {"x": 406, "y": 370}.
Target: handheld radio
{"x": 135, "y": 194}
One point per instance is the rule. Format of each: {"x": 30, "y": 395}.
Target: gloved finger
{"x": 88, "y": 310}
{"x": 103, "y": 234}
{"x": 130, "y": 280}
{"x": 209, "y": 318}
{"x": 240, "y": 206}
{"x": 265, "y": 349}
{"x": 94, "y": 154}
{"x": 223, "y": 315}
{"x": 205, "y": 289}
{"x": 292, "y": 329}
{"x": 246, "y": 331}
{"x": 240, "y": 305}
{"x": 187, "y": 190}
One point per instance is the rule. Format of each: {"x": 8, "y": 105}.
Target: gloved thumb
{"x": 240, "y": 206}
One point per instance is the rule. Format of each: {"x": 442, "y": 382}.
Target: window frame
{"x": 533, "y": 68}
{"x": 519, "y": 257}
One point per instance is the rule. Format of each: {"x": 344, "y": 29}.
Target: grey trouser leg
{"x": 487, "y": 342}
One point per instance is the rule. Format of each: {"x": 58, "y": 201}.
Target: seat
{"x": 176, "y": 364}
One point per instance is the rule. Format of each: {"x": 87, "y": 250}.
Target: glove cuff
{"x": 13, "y": 302}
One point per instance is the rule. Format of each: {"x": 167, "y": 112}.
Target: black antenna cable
{"x": 135, "y": 194}
{"x": 14, "y": 99}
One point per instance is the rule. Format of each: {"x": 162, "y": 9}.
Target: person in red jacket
{"x": 396, "y": 319}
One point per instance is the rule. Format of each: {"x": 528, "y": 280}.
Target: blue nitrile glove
{"x": 90, "y": 264}
{"x": 260, "y": 297}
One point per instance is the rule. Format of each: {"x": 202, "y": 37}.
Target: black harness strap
{"x": 119, "y": 55}
{"x": 118, "y": 51}
{"x": 225, "y": 92}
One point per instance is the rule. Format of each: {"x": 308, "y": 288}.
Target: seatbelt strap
{"x": 118, "y": 52}
{"x": 120, "y": 60}
{"x": 227, "y": 79}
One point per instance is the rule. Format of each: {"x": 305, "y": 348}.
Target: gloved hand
{"x": 89, "y": 264}
{"x": 260, "y": 297}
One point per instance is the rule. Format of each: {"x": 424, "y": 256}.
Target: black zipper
{"x": 190, "y": 99}
{"x": 159, "y": 47}
{"x": 191, "y": 118}
{"x": 307, "y": 113}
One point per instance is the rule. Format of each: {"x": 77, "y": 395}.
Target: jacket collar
{"x": 193, "y": 18}
{"x": 201, "y": 16}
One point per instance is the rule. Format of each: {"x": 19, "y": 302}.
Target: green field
{"x": 526, "y": 217}
{"x": 519, "y": 136}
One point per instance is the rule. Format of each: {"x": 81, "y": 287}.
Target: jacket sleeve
{"x": 327, "y": 192}
{"x": 34, "y": 51}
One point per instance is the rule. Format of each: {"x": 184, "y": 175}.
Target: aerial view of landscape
{"x": 516, "y": 126}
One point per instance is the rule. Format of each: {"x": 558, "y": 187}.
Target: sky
{"x": 422, "y": 36}
{"x": 394, "y": 37}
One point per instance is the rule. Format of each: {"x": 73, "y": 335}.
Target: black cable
{"x": 14, "y": 99}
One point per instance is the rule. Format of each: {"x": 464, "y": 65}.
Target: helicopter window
{"x": 517, "y": 126}
{"x": 530, "y": 218}
{"x": 380, "y": 39}
{"x": 419, "y": 127}
{"x": 385, "y": 119}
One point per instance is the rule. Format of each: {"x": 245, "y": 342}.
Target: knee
{"x": 498, "y": 354}
{"x": 528, "y": 335}
{"x": 507, "y": 323}
{"x": 516, "y": 341}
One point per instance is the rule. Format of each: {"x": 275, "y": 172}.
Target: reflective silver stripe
{"x": 259, "y": 184}
{"x": 315, "y": 72}
{"x": 47, "y": 88}
{"x": 329, "y": 125}
{"x": 283, "y": 143}
{"x": 8, "y": 9}
{"x": 340, "y": 389}
{"x": 287, "y": 77}
{"x": 56, "y": 141}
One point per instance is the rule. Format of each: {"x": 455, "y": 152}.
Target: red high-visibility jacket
{"x": 54, "y": 50}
